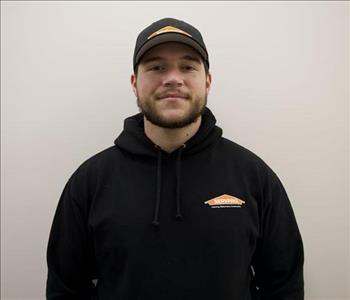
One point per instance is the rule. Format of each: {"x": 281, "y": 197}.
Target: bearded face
{"x": 171, "y": 85}
{"x": 156, "y": 115}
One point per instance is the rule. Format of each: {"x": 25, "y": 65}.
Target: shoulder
{"x": 245, "y": 160}
{"x": 96, "y": 165}
{"x": 251, "y": 167}
{"x": 239, "y": 153}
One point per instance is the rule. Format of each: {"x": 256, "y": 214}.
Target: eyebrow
{"x": 185, "y": 57}
{"x": 192, "y": 58}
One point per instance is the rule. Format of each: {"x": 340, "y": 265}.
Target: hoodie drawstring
{"x": 178, "y": 173}
{"x": 179, "y": 217}
{"x": 158, "y": 188}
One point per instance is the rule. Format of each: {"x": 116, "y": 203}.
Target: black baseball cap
{"x": 169, "y": 30}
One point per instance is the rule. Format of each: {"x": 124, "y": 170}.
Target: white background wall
{"x": 280, "y": 88}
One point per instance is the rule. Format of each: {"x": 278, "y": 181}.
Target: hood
{"x": 133, "y": 140}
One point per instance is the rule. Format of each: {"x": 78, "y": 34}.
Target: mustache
{"x": 173, "y": 94}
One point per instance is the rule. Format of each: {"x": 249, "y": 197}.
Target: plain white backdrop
{"x": 280, "y": 88}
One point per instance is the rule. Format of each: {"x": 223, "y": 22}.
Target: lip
{"x": 172, "y": 100}
{"x": 172, "y": 97}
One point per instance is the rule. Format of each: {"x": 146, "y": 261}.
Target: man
{"x": 174, "y": 210}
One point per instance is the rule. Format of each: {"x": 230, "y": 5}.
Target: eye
{"x": 155, "y": 68}
{"x": 189, "y": 67}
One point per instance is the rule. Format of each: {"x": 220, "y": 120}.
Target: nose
{"x": 173, "y": 78}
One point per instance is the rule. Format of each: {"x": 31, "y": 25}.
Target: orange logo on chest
{"x": 225, "y": 200}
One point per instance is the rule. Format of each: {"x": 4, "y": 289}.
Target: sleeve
{"x": 69, "y": 252}
{"x": 279, "y": 257}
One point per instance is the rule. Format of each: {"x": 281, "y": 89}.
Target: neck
{"x": 169, "y": 139}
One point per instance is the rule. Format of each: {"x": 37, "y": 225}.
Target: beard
{"x": 197, "y": 107}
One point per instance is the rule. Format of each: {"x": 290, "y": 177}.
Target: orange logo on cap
{"x": 168, "y": 29}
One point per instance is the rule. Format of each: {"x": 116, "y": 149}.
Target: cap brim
{"x": 170, "y": 37}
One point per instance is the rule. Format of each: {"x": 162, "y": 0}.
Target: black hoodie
{"x": 210, "y": 220}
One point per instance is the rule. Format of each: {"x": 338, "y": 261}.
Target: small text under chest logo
{"x": 225, "y": 201}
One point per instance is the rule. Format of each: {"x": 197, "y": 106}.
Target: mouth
{"x": 173, "y": 97}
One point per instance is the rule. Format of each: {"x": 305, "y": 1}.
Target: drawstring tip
{"x": 155, "y": 224}
{"x": 179, "y": 217}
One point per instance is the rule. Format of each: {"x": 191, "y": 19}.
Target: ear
{"x": 208, "y": 82}
{"x": 133, "y": 80}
